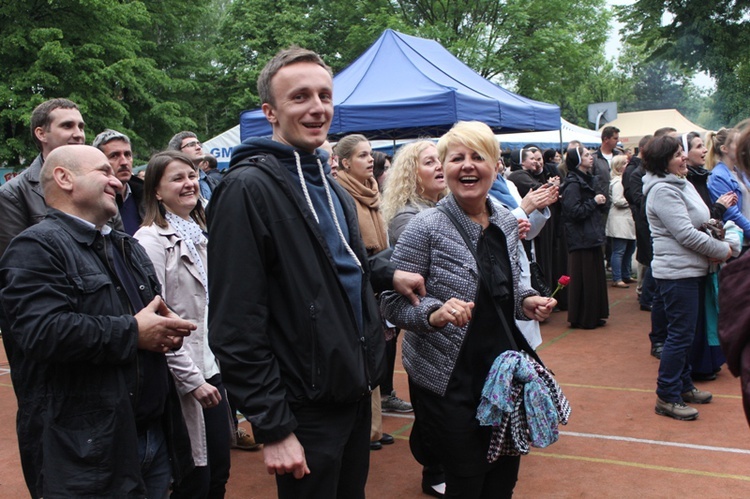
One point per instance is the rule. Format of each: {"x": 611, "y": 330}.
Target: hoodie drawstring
{"x": 303, "y": 184}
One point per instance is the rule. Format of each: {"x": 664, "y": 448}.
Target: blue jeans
{"x": 622, "y": 258}
{"x": 156, "y": 470}
{"x": 681, "y": 303}
{"x": 658, "y": 332}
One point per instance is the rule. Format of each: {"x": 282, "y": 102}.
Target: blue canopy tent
{"x": 407, "y": 87}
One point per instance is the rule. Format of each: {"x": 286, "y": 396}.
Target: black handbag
{"x": 538, "y": 280}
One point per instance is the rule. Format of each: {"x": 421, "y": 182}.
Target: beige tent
{"x": 633, "y": 126}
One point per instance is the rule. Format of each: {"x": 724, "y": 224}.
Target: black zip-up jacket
{"x": 584, "y": 225}
{"x": 698, "y": 176}
{"x": 72, "y": 346}
{"x": 280, "y": 322}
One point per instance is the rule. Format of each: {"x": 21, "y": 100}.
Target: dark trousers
{"x": 496, "y": 484}
{"x": 648, "y": 288}
{"x": 386, "y": 387}
{"x": 336, "y": 440}
{"x": 432, "y": 471}
{"x": 658, "y": 332}
{"x": 210, "y": 481}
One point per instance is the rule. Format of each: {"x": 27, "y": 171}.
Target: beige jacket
{"x": 184, "y": 294}
{"x": 620, "y": 222}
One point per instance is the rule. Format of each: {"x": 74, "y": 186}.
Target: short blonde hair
{"x": 472, "y": 134}
{"x": 619, "y": 163}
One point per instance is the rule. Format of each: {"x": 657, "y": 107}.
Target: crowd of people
{"x": 140, "y": 315}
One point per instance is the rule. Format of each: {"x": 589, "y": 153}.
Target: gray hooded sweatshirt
{"x": 675, "y": 212}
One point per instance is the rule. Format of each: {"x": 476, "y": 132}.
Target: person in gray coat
{"x": 682, "y": 254}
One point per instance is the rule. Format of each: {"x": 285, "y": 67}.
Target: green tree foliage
{"x": 131, "y": 65}
{"x": 544, "y": 49}
{"x": 549, "y": 50}
{"x": 658, "y": 84}
{"x": 707, "y": 35}
{"x": 254, "y": 30}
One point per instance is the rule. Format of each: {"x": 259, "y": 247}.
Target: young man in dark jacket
{"x": 54, "y": 123}
{"x": 292, "y": 316}
{"x": 86, "y": 332}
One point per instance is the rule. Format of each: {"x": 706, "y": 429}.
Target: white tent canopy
{"x": 221, "y": 145}
{"x": 634, "y": 126}
{"x": 551, "y": 139}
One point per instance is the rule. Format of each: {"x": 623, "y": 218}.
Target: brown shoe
{"x": 245, "y": 440}
{"x": 696, "y": 396}
{"x": 676, "y": 410}
{"x": 619, "y": 284}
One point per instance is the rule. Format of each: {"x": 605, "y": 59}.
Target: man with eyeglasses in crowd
{"x": 188, "y": 143}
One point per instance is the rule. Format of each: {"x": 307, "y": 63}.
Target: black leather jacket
{"x": 22, "y": 204}
{"x": 72, "y": 347}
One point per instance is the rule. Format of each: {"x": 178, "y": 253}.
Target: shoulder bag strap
{"x": 473, "y": 250}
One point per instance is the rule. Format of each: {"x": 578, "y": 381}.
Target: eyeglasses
{"x": 192, "y": 143}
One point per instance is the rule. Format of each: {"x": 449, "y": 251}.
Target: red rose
{"x": 563, "y": 281}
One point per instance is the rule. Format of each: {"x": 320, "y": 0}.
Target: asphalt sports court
{"x": 614, "y": 446}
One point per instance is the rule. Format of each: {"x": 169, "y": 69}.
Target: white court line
{"x": 407, "y": 415}
{"x": 655, "y": 442}
{"x": 620, "y": 439}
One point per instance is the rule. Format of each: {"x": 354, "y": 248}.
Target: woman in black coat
{"x": 583, "y": 209}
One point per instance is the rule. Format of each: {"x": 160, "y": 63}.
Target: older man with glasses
{"x": 188, "y": 143}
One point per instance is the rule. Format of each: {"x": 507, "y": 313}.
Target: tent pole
{"x": 561, "y": 146}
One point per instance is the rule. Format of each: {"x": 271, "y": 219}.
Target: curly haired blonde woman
{"x": 415, "y": 182}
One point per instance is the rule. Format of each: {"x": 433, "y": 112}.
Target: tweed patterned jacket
{"x": 431, "y": 246}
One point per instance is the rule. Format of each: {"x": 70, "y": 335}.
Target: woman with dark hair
{"x": 381, "y": 164}
{"x": 173, "y": 234}
{"x": 551, "y": 159}
{"x": 583, "y": 210}
{"x": 695, "y": 151}
{"x": 705, "y": 360}
{"x": 682, "y": 254}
